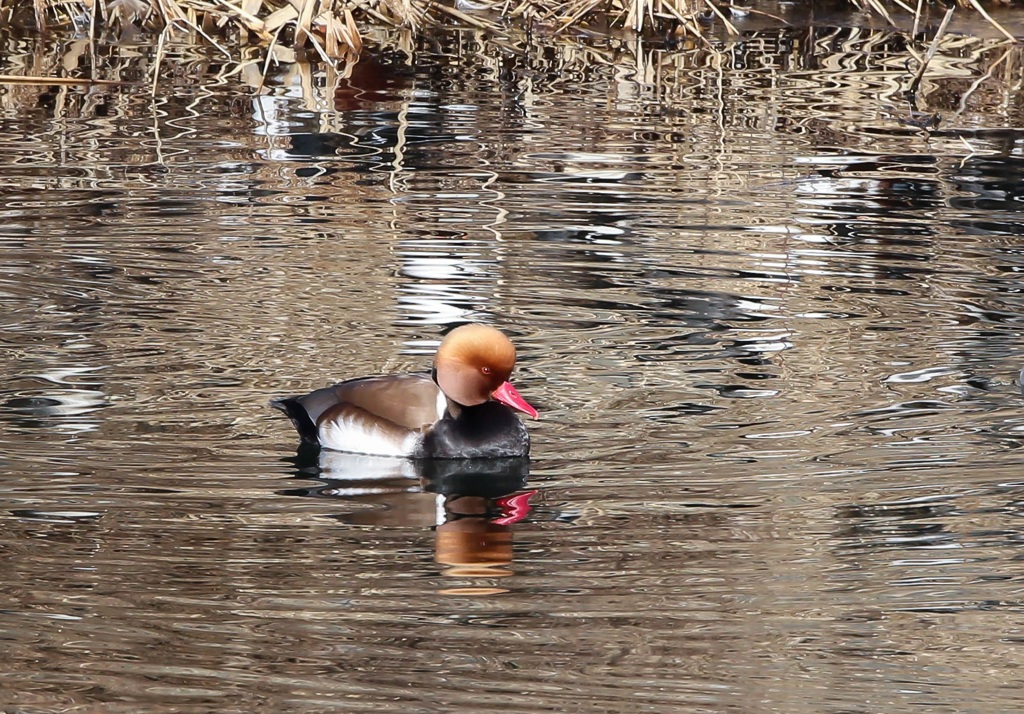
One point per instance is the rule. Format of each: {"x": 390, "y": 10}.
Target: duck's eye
{"x": 485, "y": 370}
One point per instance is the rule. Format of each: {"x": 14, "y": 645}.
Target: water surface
{"x": 773, "y": 331}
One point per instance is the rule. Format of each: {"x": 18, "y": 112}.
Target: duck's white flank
{"x": 358, "y": 436}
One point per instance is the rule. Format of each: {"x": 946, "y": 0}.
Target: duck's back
{"x": 411, "y": 401}
{"x": 394, "y": 406}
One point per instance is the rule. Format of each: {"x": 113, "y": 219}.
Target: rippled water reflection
{"x": 772, "y": 331}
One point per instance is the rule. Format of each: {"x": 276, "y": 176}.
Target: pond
{"x": 771, "y": 322}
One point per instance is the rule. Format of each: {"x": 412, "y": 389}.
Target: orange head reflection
{"x": 475, "y": 541}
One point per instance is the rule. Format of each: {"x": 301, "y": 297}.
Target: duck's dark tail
{"x": 299, "y": 417}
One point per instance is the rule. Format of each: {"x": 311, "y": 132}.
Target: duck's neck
{"x": 454, "y": 408}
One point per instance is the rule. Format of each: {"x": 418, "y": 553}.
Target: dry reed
{"x": 335, "y": 29}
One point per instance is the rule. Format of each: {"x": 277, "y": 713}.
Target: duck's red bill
{"x": 507, "y": 394}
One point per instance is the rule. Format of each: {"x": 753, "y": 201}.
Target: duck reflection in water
{"x": 471, "y": 503}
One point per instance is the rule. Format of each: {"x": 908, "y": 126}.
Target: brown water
{"x": 773, "y": 333}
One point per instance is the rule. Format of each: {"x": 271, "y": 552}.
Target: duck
{"x": 464, "y": 408}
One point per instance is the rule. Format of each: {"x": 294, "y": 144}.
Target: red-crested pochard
{"x": 460, "y": 410}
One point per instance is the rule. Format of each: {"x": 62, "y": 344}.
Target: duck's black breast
{"x": 489, "y": 430}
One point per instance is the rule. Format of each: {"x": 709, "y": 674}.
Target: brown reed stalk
{"x": 932, "y": 49}
{"x": 335, "y": 28}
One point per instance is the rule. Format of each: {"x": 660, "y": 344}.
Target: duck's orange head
{"x": 473, "y": 364}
